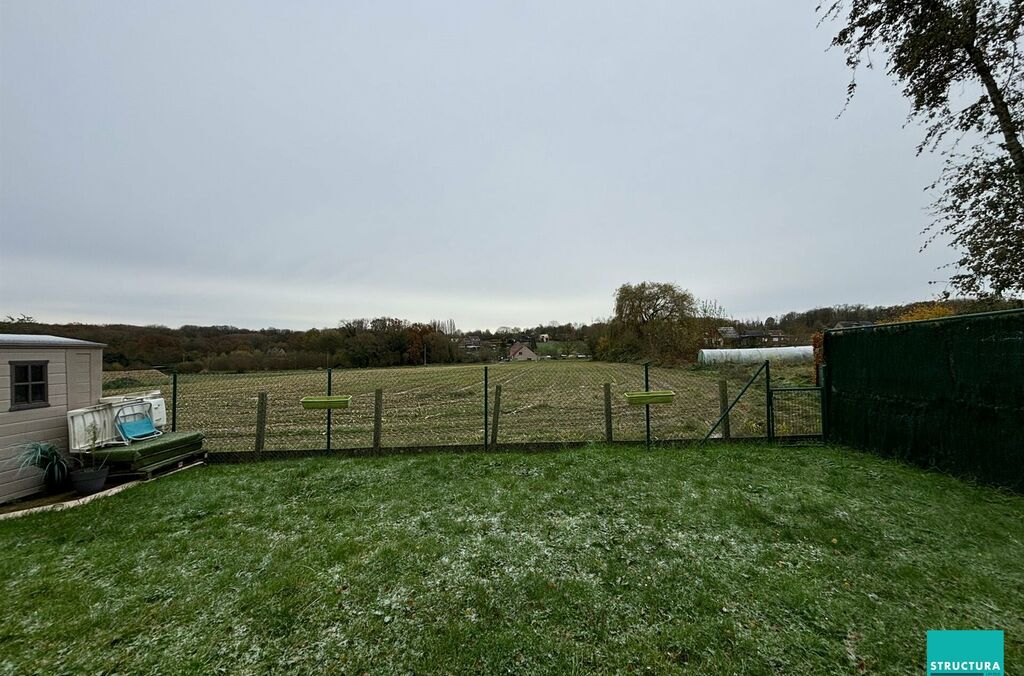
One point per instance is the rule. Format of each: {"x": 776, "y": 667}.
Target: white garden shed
{"x": 41, "y": 378}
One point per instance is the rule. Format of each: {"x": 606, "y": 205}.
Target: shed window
{"x": 28, "y": 384}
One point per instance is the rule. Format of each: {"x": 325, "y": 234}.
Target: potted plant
{"x": 48, "y": 458}
{"x": 90, "y": 477}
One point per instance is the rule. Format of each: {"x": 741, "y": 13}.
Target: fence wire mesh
{"x": 554, "y": 401}
{"x": 141, "y": 381}
{"x": 748, "y": 417}
{"x": 797, "y": 411}
{"x": 545, "y": 401}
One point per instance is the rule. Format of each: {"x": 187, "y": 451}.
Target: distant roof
{"x": 728, "y": 332}
{"x": 516, "y": 349}
{"x": 27, "y": 340}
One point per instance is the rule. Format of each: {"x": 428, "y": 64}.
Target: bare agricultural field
{"x": 440, "y": 405}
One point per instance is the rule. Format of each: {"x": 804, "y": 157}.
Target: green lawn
{"x": 736, "y": 558}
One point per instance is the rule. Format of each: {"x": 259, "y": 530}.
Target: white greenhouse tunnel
{"x": 756, "y": 355}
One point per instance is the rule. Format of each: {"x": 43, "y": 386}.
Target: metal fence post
{"x": 647, "y": 407}
{"x": 174, "y": 400}
{"x": 329, "y": 379}
{"x": 769, "y": 409}
{"x": 485, "y": 408}
{"x": 378, "y": 415}
{"x": 497, "y": 413}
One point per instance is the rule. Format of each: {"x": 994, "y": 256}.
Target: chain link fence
{"x": 796, "y": 411}
{"x": 143, "y": 381}
{"x": 549, "y": 401}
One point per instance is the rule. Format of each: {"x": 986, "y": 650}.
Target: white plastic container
{"x": 102, "y": 415}
{"x": 154, "y": 397}
{"x": 80, "y": 420}
{"x": 159, "y": 411}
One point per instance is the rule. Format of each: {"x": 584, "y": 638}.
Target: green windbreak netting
{"x": 946, "y": 393}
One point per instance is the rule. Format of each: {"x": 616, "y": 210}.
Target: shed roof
{"x": 38, "y": 341}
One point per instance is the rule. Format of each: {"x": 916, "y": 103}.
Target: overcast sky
{"x": 291, "y": 164}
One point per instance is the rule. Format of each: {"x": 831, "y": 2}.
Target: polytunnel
{"x": 756, "y": 355}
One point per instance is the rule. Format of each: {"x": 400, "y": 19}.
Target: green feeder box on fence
{"x": 327, "y": 403}
{"x": 652, "y": 397}
{"x": 648, "y": 397}
{"x": 321, "y": 403}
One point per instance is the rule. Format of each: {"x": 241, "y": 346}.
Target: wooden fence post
{"x": 378, "y": 415}
{"x": 497, "y": 411}
{"x": 261, "y": 422}
{"x": 608, "y": 412}
{"x": 723, "y": 406}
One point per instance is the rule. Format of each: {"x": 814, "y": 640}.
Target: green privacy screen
{"x": 947, "y": 393}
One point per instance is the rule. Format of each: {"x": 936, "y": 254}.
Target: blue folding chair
{"x": 134, "y": 422}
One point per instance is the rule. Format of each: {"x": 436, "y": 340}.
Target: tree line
{"x": 653, "y": 321}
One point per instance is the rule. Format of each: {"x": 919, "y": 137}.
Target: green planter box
{"x": 320, "y": 403}
{"x": 652, "y": 397}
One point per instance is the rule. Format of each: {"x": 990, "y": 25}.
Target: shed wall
{"x": 73, "y": 381}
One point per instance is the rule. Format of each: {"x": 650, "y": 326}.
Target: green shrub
{"x": 122, "y": 383}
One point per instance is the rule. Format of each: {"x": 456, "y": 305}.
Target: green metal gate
{"x": 790, "y": 413}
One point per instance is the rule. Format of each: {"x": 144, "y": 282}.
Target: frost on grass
{"x": 737, "y": 560}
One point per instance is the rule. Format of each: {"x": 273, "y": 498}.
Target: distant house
{"x": 851, "y": 324}
{"x": 543, "y": 338}
{"x": 471, "y": 343}
{"x": 728, "y": 332}
{"x": 753, "y": 338}
{"x": 520, "y": 352}
{"x": 729, "y": 336}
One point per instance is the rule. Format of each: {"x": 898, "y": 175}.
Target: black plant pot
{"x": 89, "y": 481}
{"x": 55, "y": 477}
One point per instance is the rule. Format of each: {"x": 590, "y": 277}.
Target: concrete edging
{"x": 68, "y": 504}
